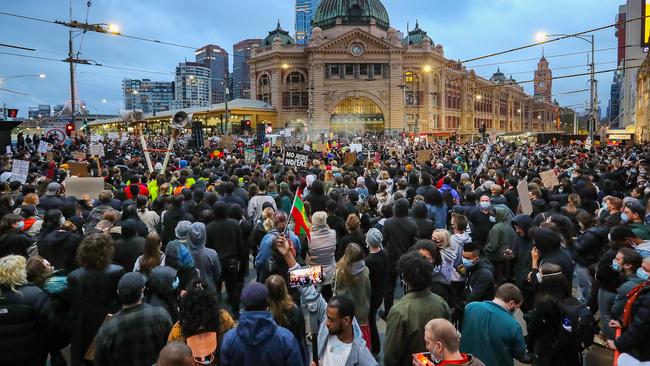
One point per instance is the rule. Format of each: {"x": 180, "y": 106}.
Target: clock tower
{"x": 543, "y": 80}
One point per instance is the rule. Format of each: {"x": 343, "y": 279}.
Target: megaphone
{"x": 181, "y": 120}
{"x": 132, "y": 116}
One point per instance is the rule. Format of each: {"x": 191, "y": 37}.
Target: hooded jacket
{"x": 317, "y": 197}
{"x": 359, "y": 291}
{"x": 480, "y": 281}
{"x": 521, "y": 250}
{"x": 60, "y": 249}
{"x": 549, "y": 245}
{"x": 130, "y": 247}
{"x": 425, "y": 225}
{"x": 162, "y": 288}
{"x": 641, "y": 230}
{"x": 258, "y": 340}
{"x": 206, "y": 260}
{"x": 400, "y": 231}
{"x": 224, "y": 235}
{"x": 590, "y": 245}
{"x": 501, "y": 236}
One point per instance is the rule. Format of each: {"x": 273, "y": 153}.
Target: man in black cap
{"x": 633, "y": 215}
{"x": 137, "y": 333}
{"x": 258, "y": 340}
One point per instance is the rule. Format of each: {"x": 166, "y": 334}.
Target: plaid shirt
{"x": 134, "y": 336}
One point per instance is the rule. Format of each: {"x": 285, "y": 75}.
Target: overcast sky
{"x": 466, "y": 29}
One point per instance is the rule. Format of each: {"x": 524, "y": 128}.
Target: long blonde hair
{"x": 353, "y": 253}
{"x": 13, "y": 271}
{"x": 279, "y": 299}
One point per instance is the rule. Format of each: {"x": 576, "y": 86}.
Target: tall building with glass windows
{"x": 305, "y": 10}
{"x": 149, "y": 96}
{"x": 216, "y": 59}
{"x": 241, "y": 86}
{"x": 193, "y": 86}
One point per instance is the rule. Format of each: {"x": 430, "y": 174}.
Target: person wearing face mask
{"x": 479, "y": 216}
{"x": 491, "y": 332}
{"x": 443, "y": 344}
{"x": 480, "y": 279}
{"x": 500, "y": 239}
{"x": 377, "y": 263}
{"x": 633, "y": 215}
{"x": 12, "y": 239}
{"x": 626, "y": 263}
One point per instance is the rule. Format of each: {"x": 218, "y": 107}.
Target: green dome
{"x": 350, "y": 12}
{"x": 281, "y": 33}
{"x": 416, "y": 36}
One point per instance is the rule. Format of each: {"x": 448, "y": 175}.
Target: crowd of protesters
{"x": 191, "y": 265}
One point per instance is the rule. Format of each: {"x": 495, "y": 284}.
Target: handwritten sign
{"x": 249, "y": 156}
{"x": 78, "y": 169}
{"x": 350, "y": 158}
{"x": 19, "y": 171}
{"x": 296, "y": 159}
{"x": 423, "y": 156}
{"x": 44, "y": 147}
{"x": 77, "y": 187}
{"x": 113, "y": 135}
{"x": 97, "y": 150}
{"x": 356, "y": 148}
{"x": 549, "y": 179}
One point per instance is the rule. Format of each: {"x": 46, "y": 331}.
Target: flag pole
{"x": 293, "y": 205}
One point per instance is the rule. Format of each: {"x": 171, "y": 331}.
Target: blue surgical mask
{"x": 624, "y": 218}
{"x": 485, "y": 205}
{"x": 21, "y": 225}
{"x": 615, "y": 266}
{"x": 642, "y": 274}
{"x": 468, "y": 263}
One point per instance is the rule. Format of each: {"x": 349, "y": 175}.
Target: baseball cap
{"x": 255, "y": 297}
{"x": 130, "y": 286}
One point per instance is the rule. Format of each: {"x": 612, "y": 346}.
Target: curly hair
{"x": 13, "y": 272}
{"x": 96, "y": 251}
{"x": 199, "y": 310}
{"x": 416, "y": 271}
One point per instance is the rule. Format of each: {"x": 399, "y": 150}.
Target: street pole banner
{"x": 55, "y": 134}
{"x": 296, "y": 159}
{"x": 19, "y": 171}
{"x": 249, "y": 156}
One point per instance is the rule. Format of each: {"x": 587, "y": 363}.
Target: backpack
{"x": 577, "y": 326}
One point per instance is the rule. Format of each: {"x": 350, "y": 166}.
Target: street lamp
{"x": 541, "y": 36}
{"x": 117, "y": 104}
{"x": 41, "y": 76}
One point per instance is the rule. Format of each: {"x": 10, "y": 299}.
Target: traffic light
{"x": 69, "y": 128}
{"x": 86, "y": 129}
{"x": 12, "y": 113}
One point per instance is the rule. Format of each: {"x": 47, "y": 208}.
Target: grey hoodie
{"x": 206, "y": 260}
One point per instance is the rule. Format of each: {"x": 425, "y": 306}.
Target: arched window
{"x": 412, "y": 89}
{"x": 264, "y": 89}
{"x": 295, "y": 91}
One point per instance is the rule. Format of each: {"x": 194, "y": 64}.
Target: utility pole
{"x": 592, "y": 117}
{"x": 70, "y": 60}
{"x": 226, "y": 92}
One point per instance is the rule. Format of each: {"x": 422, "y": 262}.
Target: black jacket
{"x": 480, "y": 282}
{"x": 521, "y": 250}
{"x": 127, "y": 251}
{"x": 590, "y": 245}
{"x": 425, "y": 225}
{"x": 24, "y": 326}
{"x": 377, "y": 264}
{"x": 317, "y": 197}
{"x": 400, "y": 231}
{"x": 93, "y": 294}
{"x": 634, "y": 339}
{"x": 224, "y": 236}
{"x": 47, "y": 203}
{"x": 60, "y": 249}
{"x": 14, "y": 242}
{"x": 357, "y": 238}
{"x": 608, "y": 279}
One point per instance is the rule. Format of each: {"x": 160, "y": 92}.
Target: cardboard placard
{"x": 227, "y": 142}
{"x": 350, "y": 158}
{"x": 79, "y": 186}
{"x": 113, "y": 135}
{"x": 78, "y": 169}
{"x": 356, "y": 148}
{"x": 524, "y": 198}
{"x": 549, "y": 179}
{"x": 19, "y": 171}
{"x": 95, "y": 138}
{"x": 296, "y": 158}
{"x": 49, "y": 156}
{"x": 96, "y": 150}
{"x": 423, "y": 156}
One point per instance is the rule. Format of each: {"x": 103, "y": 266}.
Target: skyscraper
{"x": 305, "y": 10}
{"x": 149, "y": 96}
{"x": 216, "y": 59}
{"x": 193, "y": 87}
{"x": 240, "y": 69}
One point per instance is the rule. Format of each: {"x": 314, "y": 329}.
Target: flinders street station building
{"x": 357, "y": 73}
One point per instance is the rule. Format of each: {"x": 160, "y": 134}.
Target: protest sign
{"x": 306, "y": 147}
{"x": 113, "y": 135}
{"x": 19, "y": 171}
{"x": 296, "y": 158}
{"x": 79, "y": 155}
{"x": 49, "y": 156}
{"x": 350, "y": 158}
{"x": 249, "y": 156}
{"x": 356, "y": 148}
{"x": 97, "y": 150}
{"x": 78, "y": 169}
{"x": 549, "y": 179}
{"x": 44, "y": 147}
{"x": 79, "y": 186}
{"x": 524, "y": 198}
{"x": 423, "y": 156}
{"x": 95, "y": 138}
